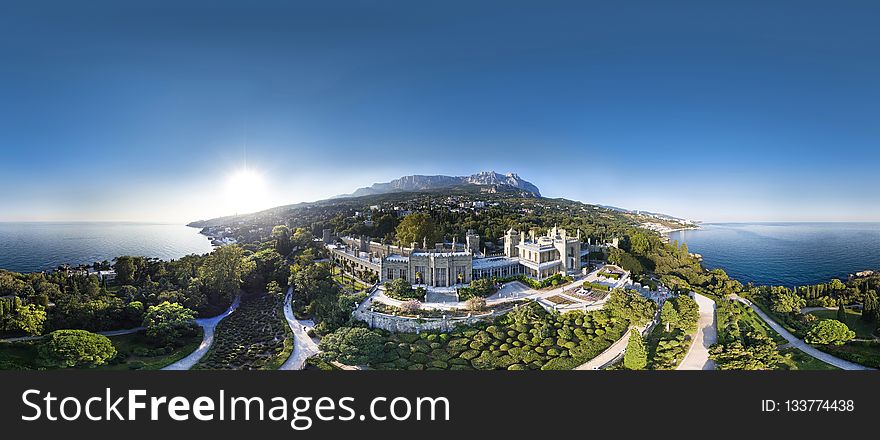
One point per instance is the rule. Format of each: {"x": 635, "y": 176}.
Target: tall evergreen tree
{"x": 841, "y": 313}
{"x": 636, "y": 357}
{"x": 870, "y": 309}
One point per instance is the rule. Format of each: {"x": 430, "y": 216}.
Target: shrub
{"x": 475, "y": 304}
{"x": 829, "y": 332}
{"x": 75, "y": 348}
{"x": 411, "y": 306}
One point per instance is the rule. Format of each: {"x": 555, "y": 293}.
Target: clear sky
{"x": 119, "y": 111}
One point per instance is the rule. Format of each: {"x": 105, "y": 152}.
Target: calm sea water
{"x": 30, "y": 247}
{"x": 787, "y": 254}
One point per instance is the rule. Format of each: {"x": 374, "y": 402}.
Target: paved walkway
{"x": 606, "y": 357}
{"x": 304, "y": 346}
{"x": 617, "y": 349}
{"x": 697, "y": 357}
{"x": 800, "y": 344}
{"x": 806, "y": 310}
{"x": 126, "y": 331}
{"x": 208, "y": 325}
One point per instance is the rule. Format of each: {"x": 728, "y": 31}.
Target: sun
{"x": 246, "y": 191}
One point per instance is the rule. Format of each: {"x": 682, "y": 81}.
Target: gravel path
{"x": 697, "y": 357}
{"x": 800, "y": 344}
{"x": 208, "y": 324}
{"x": 304, "y": 346}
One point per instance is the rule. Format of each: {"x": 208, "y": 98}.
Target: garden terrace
{"x": 255, "y": 337}
{"x": 527, "y": 338}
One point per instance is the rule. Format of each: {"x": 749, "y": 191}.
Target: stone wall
{"x": 404, "y": 324}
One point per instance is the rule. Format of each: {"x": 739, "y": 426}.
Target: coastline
{"x": 40, "y": 247}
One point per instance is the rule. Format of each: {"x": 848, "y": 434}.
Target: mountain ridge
{"x": 420, "y": 182}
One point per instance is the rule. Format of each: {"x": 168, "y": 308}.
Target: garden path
{"x": 304, "y": 346}
{"x": 800, "y": 344}
{"x": 208, "y": 325}
{"x": 697, "y": 357}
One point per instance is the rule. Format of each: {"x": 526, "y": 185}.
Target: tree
{"x": 829, "y": 332}
{"x": 29, "y": 319}
{"x": 352, "y": 346}
{"x": 75, "y": 348}
{"x": 273, "y": 288}
{"x": 783, "y": 300}
{"x": 869, "y": 312}
{"x": 416, "y": 228}
{"x": 402, "y": 290}
{"x": 841, "y": 313}
{"x": 688, "y": 312}
{"x": 475, "y": 303}
{"x": 482, "y": 287}
{"x": 126, "y": 269}
{"x": 630, "y": 306}
{"x": 668, "y": 315}
{"x": 281, "y": 235}
{"x": 636, "y": 356}
{"x": 755, "y": 352}
{"x": 168, "y": 322}
{"x": 223, "y": 273}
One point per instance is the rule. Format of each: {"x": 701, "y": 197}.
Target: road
{"x": 800, "y": 344}
{"x": 208, "y": 325}
{"x": 697, "y": 357}
{"x": 304, "y": 346}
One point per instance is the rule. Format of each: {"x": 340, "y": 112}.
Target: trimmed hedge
{"x": 528, "y": 338}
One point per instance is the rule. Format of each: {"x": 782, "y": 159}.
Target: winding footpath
{"x": 304, "y": 346}
{"x": 208, "y": 325}
{"x": 697, "y": 357}
{"x": 126, "y": 331}
{"x": 800, "y": 344}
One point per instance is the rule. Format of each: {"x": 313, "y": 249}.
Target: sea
{"x": 786, "y": 254}
{"x": 39, "y": 246}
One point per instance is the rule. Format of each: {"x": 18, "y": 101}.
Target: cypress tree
{"x": 870, "y": 309}
{"x": 636, "y": 356}
{"x": 841, "y": 313}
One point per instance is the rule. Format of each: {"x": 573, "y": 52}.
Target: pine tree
{"x": 636, "y": 357}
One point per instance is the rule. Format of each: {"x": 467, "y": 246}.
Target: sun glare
{"x": 246, "y": 191}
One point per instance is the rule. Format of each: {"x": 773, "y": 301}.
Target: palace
{"x": 457, "y": 264}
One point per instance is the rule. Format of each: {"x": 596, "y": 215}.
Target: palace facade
{"x": 448, "y": 265}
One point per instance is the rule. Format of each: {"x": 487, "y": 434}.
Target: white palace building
{"x": 457, "y": 264}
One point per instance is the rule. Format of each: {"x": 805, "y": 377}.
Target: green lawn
{"x": 861, "y": 352}
{"x": 134, "y": 354}
{"x": 853, "y": 321}
{"x": 18, "y": 356}
{"x": 347, "y": 281}
{"x": 798, "y": 360}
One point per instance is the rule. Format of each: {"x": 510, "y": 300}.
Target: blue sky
{"x": 142, "y": 111}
